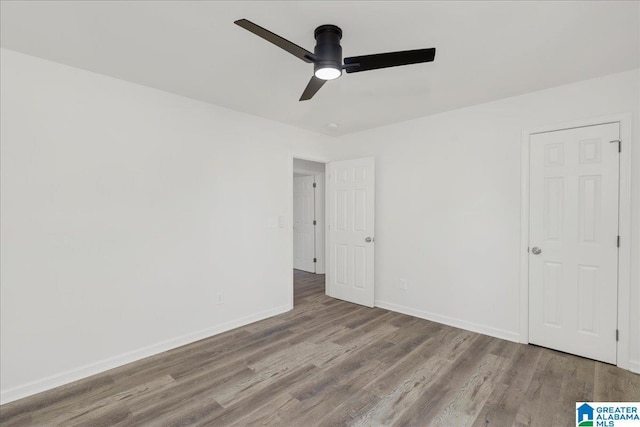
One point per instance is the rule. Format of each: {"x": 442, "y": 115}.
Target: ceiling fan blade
{"x": 285, "y": 44}
{"x": 356, "y": 64}
{"x": 313, "y": 86}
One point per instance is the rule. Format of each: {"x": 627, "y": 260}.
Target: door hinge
{"x": 314, "y": 222}
{"x": 619, "y": 144}
{"x": 617, "y": 335}
{"x": 314, "y": 185}
{"x": 315, "y": 260}
{"x": 618, "y": 241}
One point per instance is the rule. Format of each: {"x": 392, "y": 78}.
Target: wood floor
{"x": 332, "y": 363}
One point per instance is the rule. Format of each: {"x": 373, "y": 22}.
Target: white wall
{"x": 448, "y": 203}
{"x": 307, "y": 167}
{"x": 125, "y": 212}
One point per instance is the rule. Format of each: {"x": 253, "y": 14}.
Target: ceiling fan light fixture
{"x": 327, "y": 57}
{"x": 328, "y": 73}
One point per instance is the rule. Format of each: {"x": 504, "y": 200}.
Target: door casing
{"x": 624, "y": 209}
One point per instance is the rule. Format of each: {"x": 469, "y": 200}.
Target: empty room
{"x": 331, "y": 213}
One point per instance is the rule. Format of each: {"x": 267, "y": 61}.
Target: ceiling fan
{"x": 327, "y": 55}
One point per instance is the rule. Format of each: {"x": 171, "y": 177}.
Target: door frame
{"x": 324, "y": 160}
{"x": 624, "y": 226}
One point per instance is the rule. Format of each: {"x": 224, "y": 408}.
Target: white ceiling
{"x": 485, "y": 51}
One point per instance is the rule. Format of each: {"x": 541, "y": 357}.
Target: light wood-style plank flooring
{"x": 332, "y": 363}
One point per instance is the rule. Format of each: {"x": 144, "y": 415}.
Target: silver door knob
{"x": 536, "y": 251}
{"x": 368, "y": 240}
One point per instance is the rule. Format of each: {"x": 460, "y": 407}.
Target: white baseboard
{"x": 85, "y": 371}
{"x": 634, "y": 366}
{"x": 451, "y": 321}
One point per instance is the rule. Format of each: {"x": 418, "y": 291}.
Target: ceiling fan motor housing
{"x": 328, "y": 49}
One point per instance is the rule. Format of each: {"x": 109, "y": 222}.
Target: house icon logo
{"x": 585, "y": 415}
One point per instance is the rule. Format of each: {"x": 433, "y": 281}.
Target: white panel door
{"x": 304, "y": 244}
{"x": 573, "y": 253}
{"x": 350, "y": 206}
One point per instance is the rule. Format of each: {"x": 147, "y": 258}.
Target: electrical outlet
{"x": 402, "y": 284}
{"x": 219, "y": 300}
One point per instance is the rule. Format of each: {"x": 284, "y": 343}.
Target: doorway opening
{"x": 308, "y": 228}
